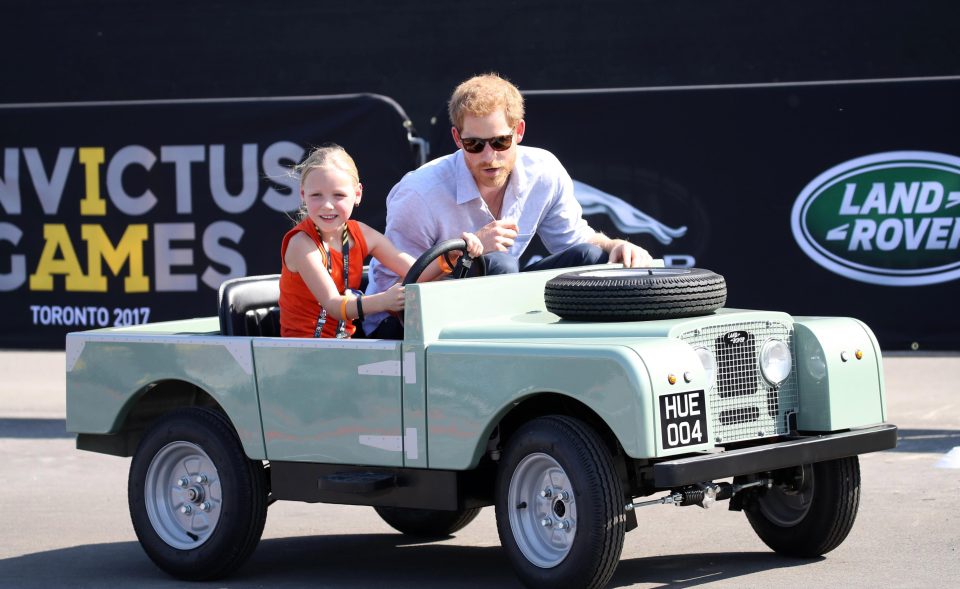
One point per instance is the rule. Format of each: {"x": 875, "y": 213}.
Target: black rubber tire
{"x": 832, "y": 511}
{"x": 601, "y": 520}
{"x": 242, "y": 484}
{"x": 426, "y": 523}
{"x": 634, "y": 294}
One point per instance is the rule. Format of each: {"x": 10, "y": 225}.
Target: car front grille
{"x": 743, "y": 405}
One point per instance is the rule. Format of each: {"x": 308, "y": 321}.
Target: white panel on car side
{"x": 410, "y": 368}
{"x": 394, "y": 443}
{"x": 410, "y": 442}
{"x": 388, "y": 443}
{"x": 385, "y": 368}
{"x": 74, "y": 349}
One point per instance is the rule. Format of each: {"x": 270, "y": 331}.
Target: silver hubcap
{"x": 787, "y": 505}
{"x": 182, "y": 495}
{"x": 543, "y": 510}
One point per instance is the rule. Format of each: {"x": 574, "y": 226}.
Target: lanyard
{"x": 342, "y": 325}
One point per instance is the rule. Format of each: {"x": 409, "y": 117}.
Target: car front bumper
{"x": 792, "y": 452}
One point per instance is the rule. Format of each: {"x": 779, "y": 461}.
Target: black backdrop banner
{"x": 815, "y": 199}
{"x": 123, "y": 213}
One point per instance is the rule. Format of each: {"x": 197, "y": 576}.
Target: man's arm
{"x": 565, "y": 225}
{"x": 562, "y": 225}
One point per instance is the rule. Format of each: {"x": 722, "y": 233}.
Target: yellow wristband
{"x": 343, "y": 309}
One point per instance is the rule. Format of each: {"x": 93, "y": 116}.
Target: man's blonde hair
{"x": 329, "y": 155}
{"x": 481, "y": 95}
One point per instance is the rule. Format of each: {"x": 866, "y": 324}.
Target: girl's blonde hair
{"x": 329, "y": 155}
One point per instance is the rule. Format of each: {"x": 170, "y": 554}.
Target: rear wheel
{"x": 810, "y": 511}
{"x": 198, "y": 504}
{"x": 560, "y": 505}
{"x": 426, "y": 523}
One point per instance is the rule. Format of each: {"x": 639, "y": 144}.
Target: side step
{"x": 380, "y": 485}
{"x": 357, "y": 482}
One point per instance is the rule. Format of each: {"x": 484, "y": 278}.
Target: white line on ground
{"x": 951, "y": 459}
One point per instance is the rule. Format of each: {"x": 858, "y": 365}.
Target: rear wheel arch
{"x": 144, "y": 408}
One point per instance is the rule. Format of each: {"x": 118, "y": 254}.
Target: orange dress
{"x": 299, "y": 309}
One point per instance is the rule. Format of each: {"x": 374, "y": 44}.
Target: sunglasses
{"x": 476, "y": 145}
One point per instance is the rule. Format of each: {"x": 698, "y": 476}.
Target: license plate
{"x": 683, "y": 419}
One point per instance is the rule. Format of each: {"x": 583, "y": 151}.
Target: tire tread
{"x": 644, "y": 296}
{"x": 253, "y": 492}
{"x": 831, "y": 516}
{"x": 604, "y": 545}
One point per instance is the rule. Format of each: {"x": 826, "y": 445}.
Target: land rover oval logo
{"x": 888, "y": 218}
{"x": 735, "y": 338}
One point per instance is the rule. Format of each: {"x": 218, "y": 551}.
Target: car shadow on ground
{"x": 358, "y": 561}
{"x": 693, "y": 570}
{"x": 334, "y": 561}
{"x": 921, "y": 441}
{"x": 33, "y": 428}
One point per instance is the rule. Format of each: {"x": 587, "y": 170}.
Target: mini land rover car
{"x": 565, "y": 399}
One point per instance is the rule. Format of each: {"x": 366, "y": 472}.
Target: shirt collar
{"x": 467, "y": 187}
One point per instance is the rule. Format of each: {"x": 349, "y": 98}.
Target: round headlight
{"x": 709, "y": 365}
{"x": 775, "y": 362}
{"x": 816, "y": 365}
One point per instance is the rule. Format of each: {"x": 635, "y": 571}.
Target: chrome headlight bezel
{"x": 709, "y": 363}
{"x": 776, "y": 361}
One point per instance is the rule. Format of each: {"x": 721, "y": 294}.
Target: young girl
{"x": 323, "y": 254}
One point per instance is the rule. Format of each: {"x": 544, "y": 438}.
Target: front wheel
{"x": 426, "y": 523}
{"x": 810, "y": 511}
{"x": 560, "y": 505}
{"x": 198, "y": 504}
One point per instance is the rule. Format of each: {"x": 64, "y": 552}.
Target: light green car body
{"x": 474, "y": 351}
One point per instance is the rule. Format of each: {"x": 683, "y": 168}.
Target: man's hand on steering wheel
{"x": 474, "y": 245}
{"x": 464, "y": 260}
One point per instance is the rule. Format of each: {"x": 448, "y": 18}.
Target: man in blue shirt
{"x": 496, "y": 188}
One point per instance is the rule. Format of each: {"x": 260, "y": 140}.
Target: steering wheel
{"x": 441, "y": 249}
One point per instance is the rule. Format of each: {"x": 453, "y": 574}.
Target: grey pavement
{"x": 64, "y": 519}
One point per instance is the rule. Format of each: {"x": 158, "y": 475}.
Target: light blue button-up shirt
{"x": 440, "y": 200}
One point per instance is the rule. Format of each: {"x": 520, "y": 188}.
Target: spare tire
{"x": 632, "y": 294}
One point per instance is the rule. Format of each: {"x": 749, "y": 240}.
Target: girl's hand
{"x": 474, "y": 246}
{"x": 393, "y": 298}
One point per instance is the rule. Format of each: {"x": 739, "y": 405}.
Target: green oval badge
{"x": 889, "y": 218}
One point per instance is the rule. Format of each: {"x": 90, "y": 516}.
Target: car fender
{"x": 109, "y": 372}
{"x": 472, "y": 385}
